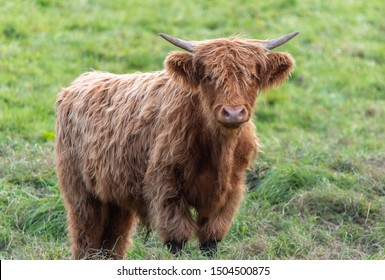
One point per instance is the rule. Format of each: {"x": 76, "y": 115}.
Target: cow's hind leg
{"x": 85, "y": 220}
{"x": 118, "y": 229}
{"x": 84, "y": 210}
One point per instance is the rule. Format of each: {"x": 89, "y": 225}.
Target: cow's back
{"x": 106, "y": 126}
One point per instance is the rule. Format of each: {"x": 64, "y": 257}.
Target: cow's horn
{"x": 271, "y": 44}
{"x": 186, "y": 45}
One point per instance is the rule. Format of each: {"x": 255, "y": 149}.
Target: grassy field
{"x": 316, "y": 192}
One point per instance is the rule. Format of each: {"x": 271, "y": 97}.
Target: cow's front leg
{"x": 170, "y": 212}
{"x": 174, "y": 222}
{"x": 214, "y": 225}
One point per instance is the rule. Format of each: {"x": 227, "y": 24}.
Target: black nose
{"x": 233, "y": 115}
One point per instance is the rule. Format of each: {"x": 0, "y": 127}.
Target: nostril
{"x": 225, "y": 113}
{"x": 242, "y": 113}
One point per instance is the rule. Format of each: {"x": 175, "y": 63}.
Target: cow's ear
{"x": 181, "y": 67}
{"x": 278, "y": 69}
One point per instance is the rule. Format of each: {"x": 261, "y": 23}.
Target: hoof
{"x": 209, "y": 248}
{"x": 175, "y": 247}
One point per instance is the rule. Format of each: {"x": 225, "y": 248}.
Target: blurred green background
{"x": 318, "y": 189}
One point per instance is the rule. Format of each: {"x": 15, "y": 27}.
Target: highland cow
{"x": 154, "y": 146}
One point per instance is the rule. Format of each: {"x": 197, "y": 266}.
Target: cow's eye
{"x": 208, "y": 79}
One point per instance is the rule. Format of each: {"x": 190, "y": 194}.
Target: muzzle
{"x": 233, "y": 116}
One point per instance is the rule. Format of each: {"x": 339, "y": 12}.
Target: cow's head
{"x": 229, "y": 73}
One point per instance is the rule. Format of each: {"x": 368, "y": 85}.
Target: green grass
{"x": 316, "y": 192}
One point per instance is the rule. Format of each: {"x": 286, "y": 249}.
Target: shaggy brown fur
{"x": 149, "y": 146}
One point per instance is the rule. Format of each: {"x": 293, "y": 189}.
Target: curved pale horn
{"x": 271, "y": 44}
{"x": 186, "y": 45}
